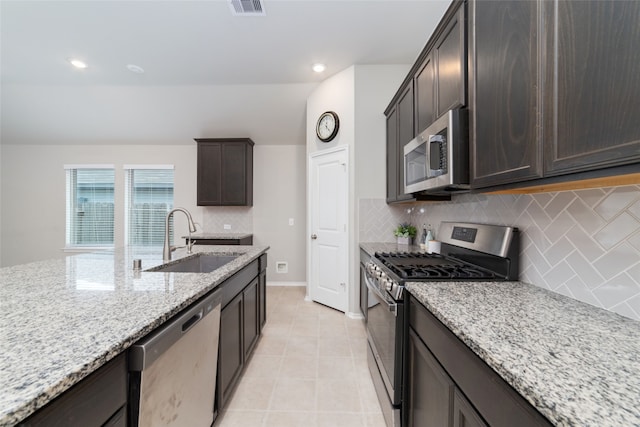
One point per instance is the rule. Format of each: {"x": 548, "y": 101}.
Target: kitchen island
{"x": 62, "y": 319}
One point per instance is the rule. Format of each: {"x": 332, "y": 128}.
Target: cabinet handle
{"x": 314, "y": 237}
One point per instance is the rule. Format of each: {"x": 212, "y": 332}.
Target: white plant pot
{"x": 404, "y": 240}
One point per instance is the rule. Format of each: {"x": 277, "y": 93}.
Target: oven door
{"x": 385, "y": 336}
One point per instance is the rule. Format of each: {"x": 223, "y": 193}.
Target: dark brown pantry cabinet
{"x": 554, "y": 88}
{"x": 225, "y": 171}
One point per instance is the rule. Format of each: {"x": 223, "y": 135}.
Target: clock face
{"x": 327, "y": 127}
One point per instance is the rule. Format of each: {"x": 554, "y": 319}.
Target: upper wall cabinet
{"x": 440, "y": 79}
{"x": 504, "y": 108}
{"x": 435, "y": 84}
{"x": 225, "y": 171}
{"x": 400, "y": 130}
{"x": 553, "y": 88}
{"x": 593, "y": 85}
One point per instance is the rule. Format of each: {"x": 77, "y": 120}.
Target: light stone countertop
{"x": 62, "y": 319}
{"x": 577, "y": 364}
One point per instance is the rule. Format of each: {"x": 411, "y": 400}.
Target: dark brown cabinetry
{"x": 430, "y": 397}
{"x": 446, "y": 382}
{"x": 225, "y": 172}
{"x": 553, "y": 88}
{"x": 450, "y": 56}
{"x": 262, "y": 291}
{"x": 424, "y": 82}
{"x": 504, "y": 73}
{"x": 251, "y": 318}
{"x": 231, "y": 350}
{"x": 400, "y": 130}
{"x": 241, "y": 320}
{"x": 98, "y": 400}
{"x": 592, "y": 90}
{"x": 435, "y": 84}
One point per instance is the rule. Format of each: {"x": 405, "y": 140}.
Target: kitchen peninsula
{"x": 63, "y": 319}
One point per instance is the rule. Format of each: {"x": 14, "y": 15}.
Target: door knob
{"x": 314, "y": 237}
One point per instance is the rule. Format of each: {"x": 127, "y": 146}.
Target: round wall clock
{"x": 327, "y": 127}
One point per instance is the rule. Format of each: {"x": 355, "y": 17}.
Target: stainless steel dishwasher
{"x": 173, "y": 370}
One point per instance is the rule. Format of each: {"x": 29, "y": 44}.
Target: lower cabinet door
{"x": 430, "y": 390}
{"x": 262, "y": 298}
{"x": 95, "y": 401}
{"x": 251, "y": 316}
{"x": 464, "y": 415}
{"x": 231, "y": 350}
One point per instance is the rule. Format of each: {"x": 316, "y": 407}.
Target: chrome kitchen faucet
{"x": 167, "y": 249}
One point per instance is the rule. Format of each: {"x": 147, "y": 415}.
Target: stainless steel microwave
{"x": 437, "y": 160}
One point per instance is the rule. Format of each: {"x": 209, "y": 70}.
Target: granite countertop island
{"x": 62, "y": 319}
{"x": 577, "y": 364}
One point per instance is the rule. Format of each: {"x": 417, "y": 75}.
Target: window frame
{"x": 71, "y": 198}
{"x": 129, "y": 193}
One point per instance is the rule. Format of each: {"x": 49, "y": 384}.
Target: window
{"x": 148, "y": 200}
{"x": 89, "y": 205}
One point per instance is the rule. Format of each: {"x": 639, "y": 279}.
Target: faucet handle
{"x": 190, "y": 245}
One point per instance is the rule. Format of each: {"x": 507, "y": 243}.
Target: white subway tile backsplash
{"x": 583, "y": 243}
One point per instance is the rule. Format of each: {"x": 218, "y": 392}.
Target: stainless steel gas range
{"x": 469, "y": 252}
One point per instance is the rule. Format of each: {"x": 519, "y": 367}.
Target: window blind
{"x": 148, "y": 200}
{"x": 90, "y": 208}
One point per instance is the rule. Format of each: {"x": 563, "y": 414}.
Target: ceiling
{"x": 207, "y": 72}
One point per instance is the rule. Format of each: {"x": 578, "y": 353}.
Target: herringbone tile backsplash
{"x": 584, "y": 244}
{"x": 240, "y": 218}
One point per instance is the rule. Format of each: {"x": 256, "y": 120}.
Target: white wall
{"x": 359, "y": 95}
{"x": 279, "y": 193}
{"x": 33, "y": 198}
{"x": 33, "y": 192}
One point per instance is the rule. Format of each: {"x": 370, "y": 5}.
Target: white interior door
{"x": 328, "y": 211}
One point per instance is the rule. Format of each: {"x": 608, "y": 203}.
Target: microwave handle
{"x": 435, "y": 151}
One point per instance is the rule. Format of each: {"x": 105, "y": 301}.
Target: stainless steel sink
{"x": 201, "y": 263}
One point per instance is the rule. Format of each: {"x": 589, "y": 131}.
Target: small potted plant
{"x": 405, "y": 233}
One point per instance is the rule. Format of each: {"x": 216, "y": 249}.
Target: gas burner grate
{"x": 412, "y": 272}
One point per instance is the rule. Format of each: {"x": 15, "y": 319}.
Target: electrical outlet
{"x": 227, "y": 226}
{"x": 291, "y": 222}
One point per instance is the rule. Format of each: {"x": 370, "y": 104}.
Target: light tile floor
{"x": 309, "y": 369}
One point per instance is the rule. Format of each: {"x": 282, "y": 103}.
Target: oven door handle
{"x": 392, "y": 306}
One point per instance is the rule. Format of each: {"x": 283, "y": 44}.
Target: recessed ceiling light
{"x": 135, "y": 69}
{"x": 318, "y": 68}
{"x": 77, "y": 63}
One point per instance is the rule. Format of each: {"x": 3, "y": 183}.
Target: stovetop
{"x": 423, "y": 266}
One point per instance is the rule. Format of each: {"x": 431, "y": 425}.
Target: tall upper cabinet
{"x": 225, "y": 171}
{"x": 554, "y": 88}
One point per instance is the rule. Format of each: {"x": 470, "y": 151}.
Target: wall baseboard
{"x": 269, "y": 283}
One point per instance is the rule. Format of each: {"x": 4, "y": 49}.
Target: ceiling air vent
{"x": 247, "y": 7}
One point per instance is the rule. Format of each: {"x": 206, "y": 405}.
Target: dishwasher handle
{"x": 191, "y": 322}
{"x": 143, "y": 353}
